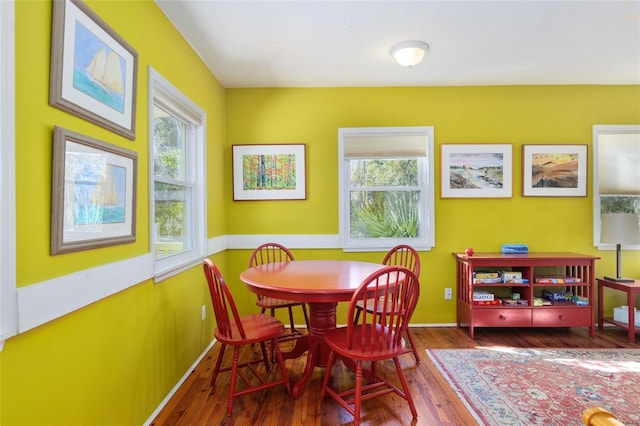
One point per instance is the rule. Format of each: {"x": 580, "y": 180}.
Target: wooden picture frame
{"x": 93, "y": 198}
{"x": 554, "y": 170}
{"x": 93, "y": 70}
{"x": 476, "y": 171}
{"x": 269, "y": 172}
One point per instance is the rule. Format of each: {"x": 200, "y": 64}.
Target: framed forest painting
{"x": 269, "y": 172}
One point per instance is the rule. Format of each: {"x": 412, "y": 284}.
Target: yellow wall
{"x": 114, "y": 361}
{"x": 508, "y": 114}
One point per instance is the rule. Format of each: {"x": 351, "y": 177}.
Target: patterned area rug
{"x": 512, "y": 386}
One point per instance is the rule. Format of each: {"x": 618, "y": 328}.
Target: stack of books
{"x": 515, "y": 302}
{"x": 580, "y": 300}
{"x": 556, "y": 280}
{"x": 485, "y": 298}
{"x": 539, "y": 301}
{"x": 513, "y": 277}
{"x": 557, "y": 295}
{"x": 486, "y": 278}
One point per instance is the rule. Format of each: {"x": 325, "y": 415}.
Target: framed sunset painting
{"x": 554, "y": 170}
{"x": 476, "y": 171}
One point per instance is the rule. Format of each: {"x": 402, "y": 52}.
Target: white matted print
{"x": 476, "y": 171}
{"x": 269, "y": 172}
{"x": 93, "y": 70}
{"x": 554, "y": 170}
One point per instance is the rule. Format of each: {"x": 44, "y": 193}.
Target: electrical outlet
{"x": 448, "y": 293}
{"x": 204, "y": 312}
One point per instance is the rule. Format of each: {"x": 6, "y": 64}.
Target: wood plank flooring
{"x": 198, "y": 403}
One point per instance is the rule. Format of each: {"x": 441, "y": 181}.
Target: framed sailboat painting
{"x": 93, "y": 70}
{"x": 93, "y": 202}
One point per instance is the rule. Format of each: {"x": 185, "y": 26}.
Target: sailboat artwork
{"x": 105, "y": 70}
{"x": 98, "y": 70}
{"x": 97, "y": 188}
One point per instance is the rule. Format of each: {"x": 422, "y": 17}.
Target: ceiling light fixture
{"x": 409, "y": 53}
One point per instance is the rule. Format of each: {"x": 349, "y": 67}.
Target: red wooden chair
{"x": 395, "y": 292}
{"x": 273, "y": 253}
{"x": 234, "y": 330}
{"x": 401, "y": 255}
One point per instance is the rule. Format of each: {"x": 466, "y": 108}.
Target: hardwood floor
{"x": 198, "y": 403}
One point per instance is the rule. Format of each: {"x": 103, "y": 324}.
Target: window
{"x": 8, "y": 315}
{"x": 386, "y": 187}
{"x": 616, "y": 183}
{"x": 177, "y": 169}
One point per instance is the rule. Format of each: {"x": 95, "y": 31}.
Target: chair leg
{"x": 293, "y": 327}
{"x": 405, "y": 388}
{"x": 358, "y": 394}
{"x": 327, "y": 374}
{"x": 265, "y": 358}
{"x": 283, "y": 370}
{"x": 234, "y": 375}
{"x": 216, "y": 369}
{"x": 306, "y": 317}
{"x": 355, "y": 320}
{"x": 413, "y": 346}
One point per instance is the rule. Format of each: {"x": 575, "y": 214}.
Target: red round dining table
{"x": 320, "y": 283}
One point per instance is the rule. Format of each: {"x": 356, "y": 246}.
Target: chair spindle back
{"x": 394, "y": 291}
{"x": 403, "y": 255}
{"x": 270, "y": 253}
{"x": 224, "y": 308}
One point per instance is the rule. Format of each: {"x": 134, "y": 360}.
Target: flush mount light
{"x": 409, "y": 53}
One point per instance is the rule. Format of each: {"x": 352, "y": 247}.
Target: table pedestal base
{"x": 322, "y": 318}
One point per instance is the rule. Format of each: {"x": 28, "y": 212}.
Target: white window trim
{"x": 173, "y": 264}
{"x": 8, "y": 310}
{"x": 597, "y": 131}
{"x": 427, "y": 240}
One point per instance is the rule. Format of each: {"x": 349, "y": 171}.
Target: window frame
{"x": 599, "y": 130}
{"x": 426, "y": 239}
{"x": 163, "y": 92}
{"x": 8, "y": 299}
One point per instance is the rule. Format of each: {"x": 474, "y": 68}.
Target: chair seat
{"x": 257, "y": 327}
{"x": 337, "y": 341}
{"x": 272, "y": 302}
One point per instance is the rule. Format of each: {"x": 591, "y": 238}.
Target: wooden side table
{"x": 631, "y": 289}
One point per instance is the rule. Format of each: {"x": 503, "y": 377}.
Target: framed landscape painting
{"x": 476, "y": 171}
{"x": 93, "y": 198}
{"x": 269, "y": 172}
{"x": 554, "y": 170}
{"x": 93, "y": 70}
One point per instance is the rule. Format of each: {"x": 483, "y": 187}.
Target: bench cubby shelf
{"x": 531, "y": 265}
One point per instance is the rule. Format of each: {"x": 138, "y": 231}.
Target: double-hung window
{"x": 616, "y": 183}
{"x": 386, "y": 187}
{"x": 177, "y": 169}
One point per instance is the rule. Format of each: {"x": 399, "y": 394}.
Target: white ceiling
{"x": 347, "y": 43}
